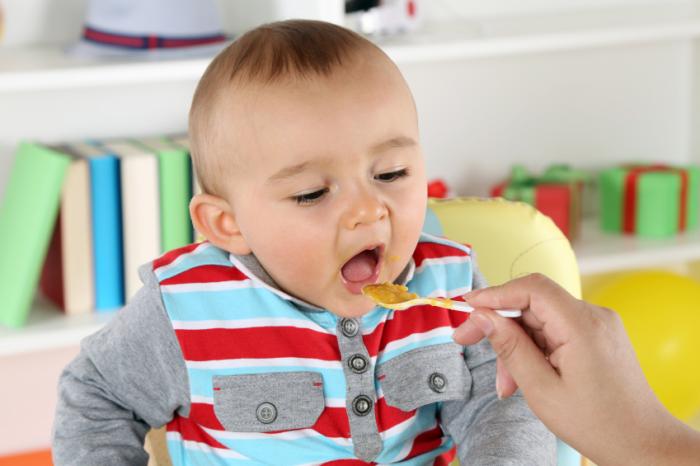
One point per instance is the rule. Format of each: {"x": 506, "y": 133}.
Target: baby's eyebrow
{"x": 290, "y": 171}
{"x": 393, "y": 143}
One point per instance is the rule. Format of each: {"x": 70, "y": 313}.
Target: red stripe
{"x": 682, "y": 215}
{"x": 417, "y": 319}
{"x": 629, "y": 202}
{"x": 206, "y": 274}
{"x": 446, "y": 458}
{"x": 262, "y": 342}
{"x": 103, "y": 37}
{"x": 434, "y": 250}
{"x": 170, "y": 256}
{"x": 425, "y": 442}
{"x": 189, "y": 430}
{"x": 390, "y": 416}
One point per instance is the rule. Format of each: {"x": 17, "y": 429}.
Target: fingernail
{"x": 483, "y": 323}
{"x": 498, "y": 388}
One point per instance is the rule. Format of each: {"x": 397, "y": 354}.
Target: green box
{"x": 658, "y": 193}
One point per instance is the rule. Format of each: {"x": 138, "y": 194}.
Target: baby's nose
{"x": 364, "y": 209}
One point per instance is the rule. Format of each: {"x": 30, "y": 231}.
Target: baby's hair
{"x": 275, "y": 52}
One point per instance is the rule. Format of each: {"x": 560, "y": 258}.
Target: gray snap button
{"x": 437, "y": 382}
{"x": 350, "y": 327}
{"x": 266, "y": 413}
{"x": 362, "y": 405}
{"x": 358, "y": 364}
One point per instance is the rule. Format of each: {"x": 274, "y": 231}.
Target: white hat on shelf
{"x": 150, "y": 29}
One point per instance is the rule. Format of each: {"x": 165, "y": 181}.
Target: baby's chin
{"x": 353, "y": 310}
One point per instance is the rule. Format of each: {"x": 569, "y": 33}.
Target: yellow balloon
{"x": 661, "y": 313}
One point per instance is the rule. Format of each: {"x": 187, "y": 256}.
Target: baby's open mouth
{"x": 362, "y": 269}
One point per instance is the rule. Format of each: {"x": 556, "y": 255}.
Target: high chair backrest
{"x": 509, "y": 239}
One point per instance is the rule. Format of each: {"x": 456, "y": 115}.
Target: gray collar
{"x": 250, "y": 266}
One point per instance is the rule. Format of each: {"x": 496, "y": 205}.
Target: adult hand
{"x": 578, "y": 372}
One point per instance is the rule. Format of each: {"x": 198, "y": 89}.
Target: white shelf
{"x": 48, "y": 328}
{"x": 50, "y": 68}
{"x": 546, "y": 33}
{"x": 599, "y": 252}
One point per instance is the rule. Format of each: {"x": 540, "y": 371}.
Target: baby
{"x": 257, "y": 345}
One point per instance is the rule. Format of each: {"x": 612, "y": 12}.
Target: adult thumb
{"x": 517, "y": 352}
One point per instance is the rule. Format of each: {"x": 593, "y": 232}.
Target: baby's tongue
{"x": 360, "y": 268}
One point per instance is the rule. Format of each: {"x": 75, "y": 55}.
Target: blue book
{"x": 105, "y": 190}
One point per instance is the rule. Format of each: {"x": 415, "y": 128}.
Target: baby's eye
{"x": 391, "y": 176}
{"x": 310, "y": 198}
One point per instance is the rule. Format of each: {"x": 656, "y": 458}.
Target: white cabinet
{"x": 591, "y": 88}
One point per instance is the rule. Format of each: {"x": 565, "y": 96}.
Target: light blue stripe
{"x": 376, "y": 316}
{"x": 181, "y": 456}
{"x": 439, "y": 277}
{"x": 207, "y": 255}
{"x": 431, "y": 223}
{"x": 387, "y": 355}
{"x": 273, "y": 450}
{"x": 237, "y": 304}
{"x": 201, "y": 379}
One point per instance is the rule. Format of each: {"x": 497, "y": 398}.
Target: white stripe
{"x": 209, "y": 286}
{"x": 416, "y": 338}
{"x": 249, "y": 323}
{"x": 286, "y": 435}
{"x": 335, "y": 402}
{"x": 452, "y": 293}
{"x": 433, "y": 261}
{"x": 202, "y": 399}
{"x": 204, "y": 448}
{"x": 264, "y": 362}
{"x": 399, "y": 429}
{"x": 164, "y": 268}
{"x": 444, "y": 241}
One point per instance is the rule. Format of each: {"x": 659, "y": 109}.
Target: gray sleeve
{"x": 494, "y": 432}
{"x": 129, "y": 376}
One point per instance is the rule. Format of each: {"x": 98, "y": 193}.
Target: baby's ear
{"x": 213, "y": 217}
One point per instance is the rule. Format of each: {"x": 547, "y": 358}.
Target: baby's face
{"x": 330, "y": 192}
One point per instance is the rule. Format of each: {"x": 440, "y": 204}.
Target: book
{"x": 140, "y": 209}
{"x": 67, "y": 277}
{"x": 105, "y": 191}
{"x": 175, "y": 191}
{"x": 184, "y": 142}
{"x": 27, "y": 216}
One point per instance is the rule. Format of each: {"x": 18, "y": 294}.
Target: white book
{"x": 140, "y": 209}
{"x": 74, "y": 248}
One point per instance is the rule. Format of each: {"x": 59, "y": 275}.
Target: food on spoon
{"x": 388, "y": 294}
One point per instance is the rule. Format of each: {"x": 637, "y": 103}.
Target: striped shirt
{"x": 230, "y": 325}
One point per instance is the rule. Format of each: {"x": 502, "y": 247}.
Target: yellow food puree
{"x": 387, "y": 293}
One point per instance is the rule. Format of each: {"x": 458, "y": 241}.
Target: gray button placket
{"x": 360, "y": 393}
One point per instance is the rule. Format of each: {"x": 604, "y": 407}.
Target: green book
{"x": 175, "y": 190}
{"x": 27, "y": 217}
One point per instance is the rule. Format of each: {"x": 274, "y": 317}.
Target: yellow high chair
{"x": 510, "y": 239}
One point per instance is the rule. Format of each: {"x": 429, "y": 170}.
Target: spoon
{"x": 398, "y": 297}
